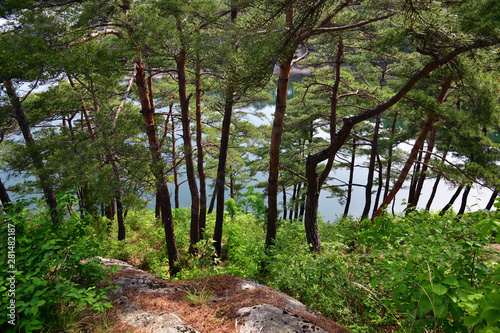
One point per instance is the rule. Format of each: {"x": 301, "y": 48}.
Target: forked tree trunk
{"x": 427, "y": 158}
{"x": 315, "y": 181}
{"x": 35, "y": 156}
{"x": 157, "y": 168}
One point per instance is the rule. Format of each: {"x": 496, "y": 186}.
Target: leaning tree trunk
{"x": 492, "y": 200}
{"x": 431, "y": 119}
{"x": 452, "y": 200}
{"x": 35, "y": 156}
{"x": 157, "y": 168}
{"x": 435, "y": 187}
{"x": 464, "y": 200}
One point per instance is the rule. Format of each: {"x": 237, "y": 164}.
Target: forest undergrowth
{"x": 418, "y": 272}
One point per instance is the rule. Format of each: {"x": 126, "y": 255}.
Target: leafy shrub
{"x": 53, "y": 265}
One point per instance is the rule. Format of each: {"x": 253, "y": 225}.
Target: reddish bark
{"x": 431, "y": 119}
{"x": 157, "y": 167}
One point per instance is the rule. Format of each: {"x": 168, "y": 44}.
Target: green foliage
{"x": 54, "y": 267}
{"x": 195, "y": 297}
{"x": 432, "y": 271}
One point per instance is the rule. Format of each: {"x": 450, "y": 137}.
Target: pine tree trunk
{"x": 427, "y": 158}
{"x": 188, "y": 155}
{"x": 284, "y": 203}
{"x": 435, "y": 187}
{"x": 174, "y": 167}
{"x": 157, "y": 168}
{"x": 433, "y": 193}
{"x": 212, "y": 201}
{"x": 292, "y": 201}
{"x": 380, "y": 183}
{"x": 296, "y": 204}
{"x": 35, "y": 156}
{"x": 351, "y": 178}
{"x": 4, "y": 196}
{"x": 464, "y": 200}
{"x": 492, "y": 200}
{"x": 371, "y": 170}
{"x": 452, "y": 200}
{"x": 221, "y": 170}
{"x": 274, "y": 153}
{"x": 414, "y": 180}
{"x": 431, "y": 119}
{"x": 199, "y": 146}
{"x": 389, "y": 159}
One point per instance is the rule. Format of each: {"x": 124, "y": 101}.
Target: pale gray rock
{"x": 133, "y": 315}
{"x": 266, "y": 318}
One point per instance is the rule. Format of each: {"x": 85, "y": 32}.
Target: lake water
{"x": 330, "y": 208}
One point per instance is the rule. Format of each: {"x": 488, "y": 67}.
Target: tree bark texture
{"x": 465, "y": 195}
{"x": 35, "y": 156}
{"x": 431, "y": 119}
{"x": 188, "y": 155}
{"x": 199, "y": 146}
{"x": 351, "y": 178}
{"x": 348, "y": 123}
{"x": 156, "y": 167}
{"x": 274, "y": 151}
{"x": 491, "y": 202}
{"x": 427, "y": 158}
{"x": 221, "y": 170}
{"x": 452, "y": 200}
{"x": 371, "y": 170}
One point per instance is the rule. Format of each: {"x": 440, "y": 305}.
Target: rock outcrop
{"x": 146, "y": 303}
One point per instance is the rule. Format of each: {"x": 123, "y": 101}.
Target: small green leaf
{"x": 439, "y": 289}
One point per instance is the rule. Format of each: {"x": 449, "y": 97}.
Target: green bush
{"x": 54, "y": 268}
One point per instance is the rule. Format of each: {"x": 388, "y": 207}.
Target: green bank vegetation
{"x": 407, "y": 273}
